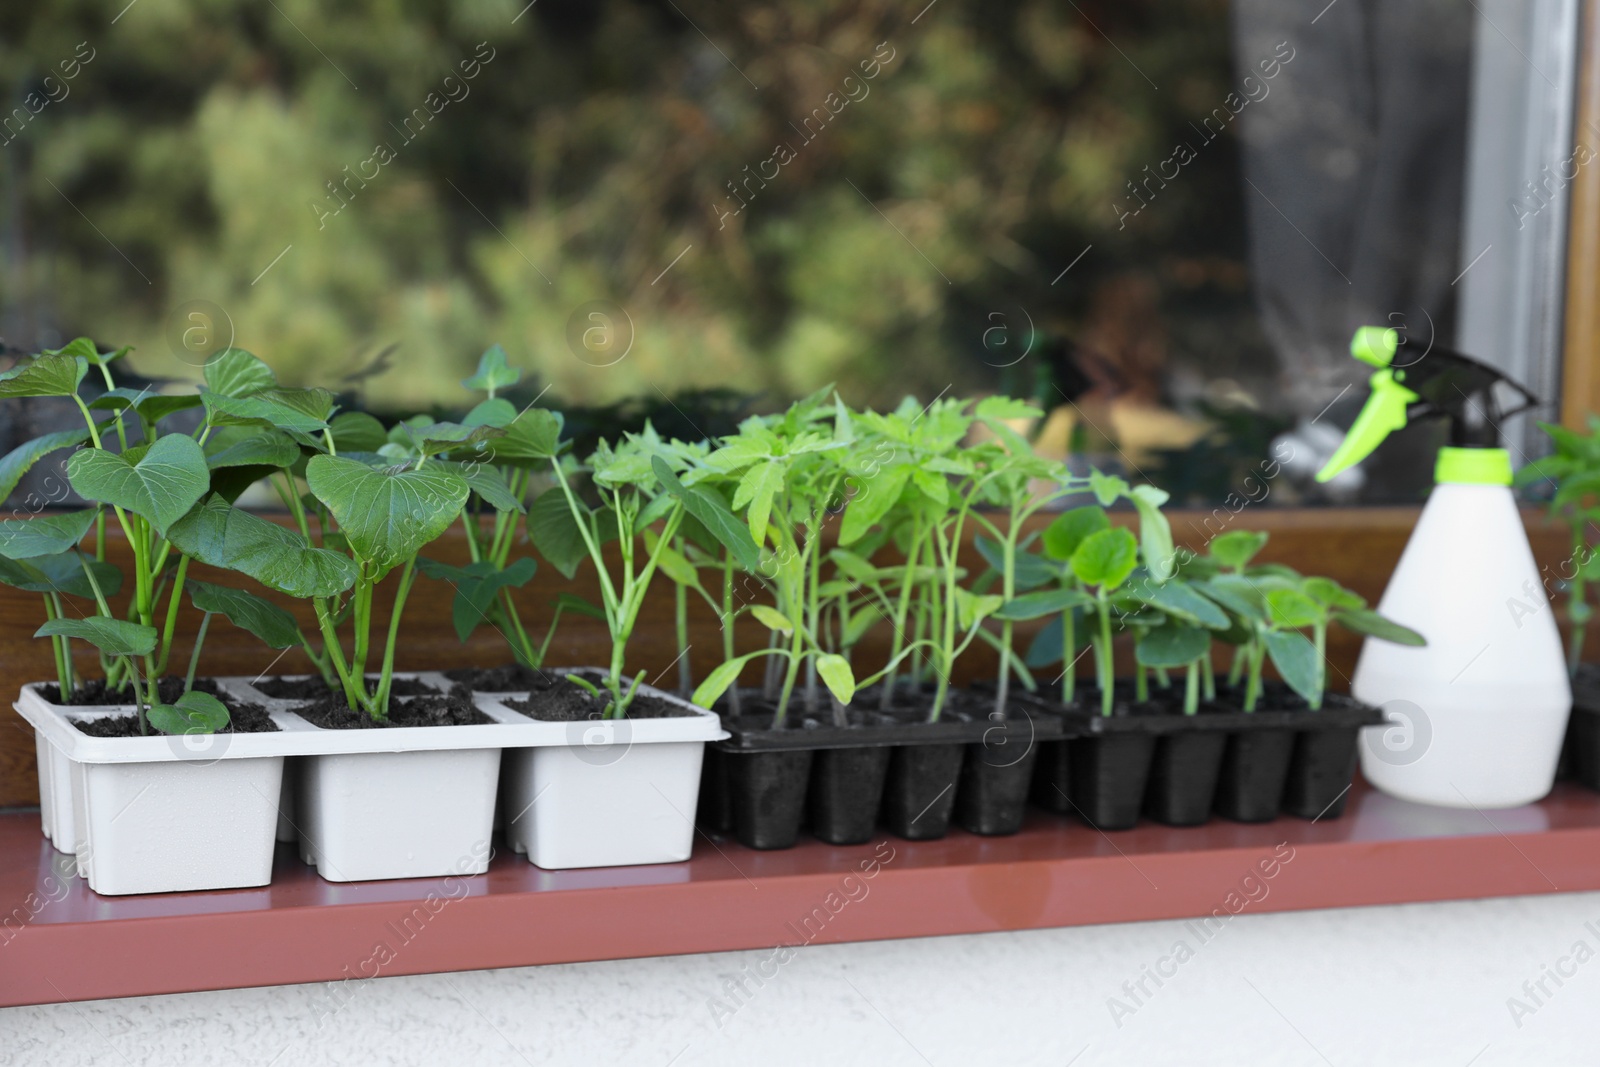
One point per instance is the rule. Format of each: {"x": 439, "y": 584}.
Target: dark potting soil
{"x": 551, "y": 698}
{"x": 94, "y": 693}
{"x": 511, "y": 678}
{"x": 332, "y": 713}
{"x": 314, "y": 688}
{"x": 243, "y": 718}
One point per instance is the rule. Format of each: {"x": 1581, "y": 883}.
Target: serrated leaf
{"x": 772, "y": 619}
{"x": 43, "y": 375}
{"x": 1371, "y": 624}
{"x": 760, "y": 484}
{"x": 192, "y": 713}
{"x": 1106, "y": 558}
{"x": 20, "y": 460}
{"x": 837, "y": 676}
{"x": 235, "y": 372}
{"x": 870, "y": 503}
{"x": 1295, "y": 657}
{"x": 1172, "y": 645}
{"x": 1067, "y": 531}
{"x": 493, "y": 373}
{"x": 274, "y": 626}
{"x": 1005, "y": 407}
{"x": 712, "y": 513}
{"x": 114, "y": 637}
{"x": 161, "y": 485}
{"x": 554, "y": 531}
{"x": 44, "y": 535}
{"x": 1038, "y": 605}
{"x": 387, "y": 515}
{"x": 221, "y": 535}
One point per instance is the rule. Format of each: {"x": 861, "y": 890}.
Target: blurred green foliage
{"x": 595, "y": 145}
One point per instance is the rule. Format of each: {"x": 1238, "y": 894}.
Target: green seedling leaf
{"x": 1331, "y": 594}
{"x": 1046, "y": 646}
{"x": 861, "y": 622}
{"x": 1291, "y": 609}
{"x": 1155, "y": 532}
{"x": 235, "y": 372}
{"x": 387, "y": 515}
{"x": 1181, "y": 601}
{"x": 1030, "y": 571}
{"x": 1005, "y": 407}
{"x": 574, "y": 603}
{"x": 1296, "y": 660}
{"x": 85, "y": 349}
{"x": 44, "y": 535}
{"x": 20, "y": 460}
{"x": 1173, "y": 644}
{"x": 274, "y": 626}
{"x": 1237, "y": 594}
{"x": 161, "y": 485}
{"x": 1237, "y": 548}
{"x": 494, "y": 373}
{"x": 717, "y": 682}
{"x": 356, "y": 431}
{"x": 870, "y": 503}
{"x": 221, "y": 535}
{"x": 1107, "y": 488}
{"x": 152, "y": 407}
{"x": 114, "y": 637}
{"x": 192, "y": 713}
{"x": 1063, "y": 536}
{"x": 439, "y": 437}
{"x": 533, "y": 437}
{"x": 1371, "y": 624}
{"x": 477, "y": 585}
{"x": 772, "y": 619}
{"x": 62, "y": 573}
{"x": 853, "y": 566}
{"x": 933, "y": 485}
{"x": 712, "y": 513}
{"x": 760, "y": 484}
{"x": 1038, "y": 605}
{"x": 1106, "y": 558}
{"x": 303, "y": 410}
{"x": 837, "y": 676}
{"x": 264, "y": 448}
{"x": 496, "y": 411}
{"x": 43, "y": 375}
{"x": 972, "y": 609}
{"x": 671, "y": 563}
{"x": 555, "y": 533}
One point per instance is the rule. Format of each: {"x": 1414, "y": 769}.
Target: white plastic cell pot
{"x": 610, "y": 793}
{"x": 151, "y": 815}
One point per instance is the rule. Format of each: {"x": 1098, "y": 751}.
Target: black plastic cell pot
{"x": 1583, "y": 728}
{"x": 1320, "y": 772}
{"x": 1108, "y": 777}
{"x": 992, "y": 796}
{"x": 1183, "y": 776}
{"x": 714, "y": 811}
{"x": 845, "y": 792}
{"x": 767, "y": 791}
{"x": 1255, "y": 765}
{"x": 920, "y": 792}
{"x": 1052, "y": 777}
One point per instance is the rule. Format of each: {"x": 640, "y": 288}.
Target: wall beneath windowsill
{"x": 1417, "y": 985}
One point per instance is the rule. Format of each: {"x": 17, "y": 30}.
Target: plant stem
{"x": 1319, "y": 633}
{"x": 727, "y": 626}
{"x": 173, "y": 602}
{"x": 907, "y": 584}
{"x": 1107, "y": 666}
{"x": 138, "y": 696}
{"x": 1209, "y": 677}
{"x": 52, "y": 610}
{"x": 386, "y": 676}
{"x": 1577, "y": 609}
{"x": 1069, "y": 656}
{"x": 335, "y": 654}
{"x": 194, "y": 657}
{"x": 1191, "y": 689}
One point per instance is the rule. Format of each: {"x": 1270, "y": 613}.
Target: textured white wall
{"x": 1413, "y": 985}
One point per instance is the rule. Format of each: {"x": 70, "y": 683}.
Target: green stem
{"x": 52, "y": 611}
{"x": 138, "y": 696}
{"x": 1209, "y": 677}
{"x": 680, "y": 618}
{"x": 335, "y": 654}
{"x": 380, "y": 710}
{"x": 1069, "y": 656}
{"x": 173, "y": 602}
{"x": 1106, "y": 666}
{"x": 902, "y": 608}
{"x": 1191, "y": 689}
{"x": 194, "y": 657}
{"x": 1320, "y": 640}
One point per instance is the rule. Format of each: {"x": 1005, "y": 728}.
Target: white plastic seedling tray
{"x": 364, "y": 803}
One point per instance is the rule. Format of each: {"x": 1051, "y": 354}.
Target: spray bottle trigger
{"x": 1384, "y": 413}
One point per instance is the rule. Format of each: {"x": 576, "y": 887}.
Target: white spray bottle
{"x": 1480, "y": 712}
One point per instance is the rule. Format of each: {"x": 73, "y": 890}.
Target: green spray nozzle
{"x": 1439, "y": 382}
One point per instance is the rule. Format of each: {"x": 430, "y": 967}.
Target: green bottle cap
{"x": 1375, "y": 345}
{"x": 1473, "y": 466}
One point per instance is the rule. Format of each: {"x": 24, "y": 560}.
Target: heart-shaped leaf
{"x": 44, "y": 535}
{"x": 1173, "y": 644}
{"x": 235, "y": 372}
{"x": 43, "y": 375}
{"x": 554, "y": 531}
{"x": 20, "y": 460}
{"x": 248, "y": 612}
{"x": 62, "y": 573}
{"x": 386, "y": 514}
{"x": 165, "y": 481}
{"x": 1106, "y": 558}
{"x": 494, "y": 373}
{"x": 192, "y": 713}
{"x": 1063, "y": 536}
{"x": 114, "y": 637}
{"x": 221, "y": 535}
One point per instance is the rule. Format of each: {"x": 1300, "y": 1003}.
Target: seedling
{"x": 1574, "y": 470}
